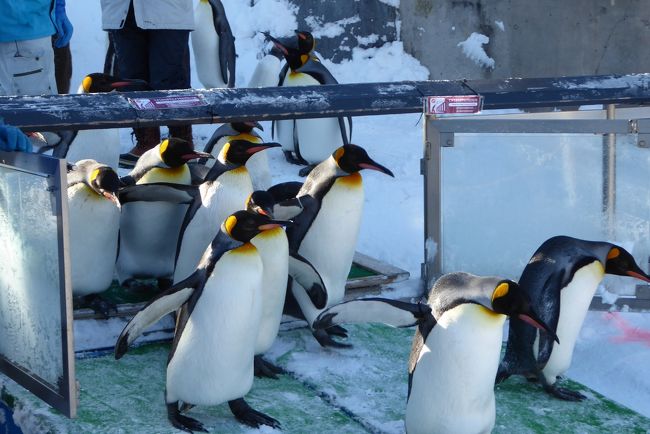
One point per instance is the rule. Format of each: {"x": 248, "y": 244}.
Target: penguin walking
{"x": 149, "y": 230}
{"x": 456, "y": 347}
{"x": 308, "y": 141}
{"x": 561, "y": 278}
{"x": 94, "y": 218}
{"x": 326, "y": 229}
{"x": 257, "y": 164}
{"x": 214, "y": 45}
{"x": 102, "y": 145}
{"x": 211, "y": 359}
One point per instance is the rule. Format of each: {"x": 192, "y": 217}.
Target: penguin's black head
{"x": 239, "y": 151}
{"x": 352, "y": 158}
{"x": 99, "y": 82}
{"x": 509, "y": 299}
{"x": 306, "y": 41}
{"x": 621, "y": 263}
{"x": 260, "y": 202}
{"x": 246, "y": 127}
{"x": 175, "y": 152}
{"x": 244, "y": 225}
{"x": 104, "y": 181}
{"x": 291, "y": 53}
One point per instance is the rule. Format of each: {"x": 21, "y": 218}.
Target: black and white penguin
{"x": 257, "y": 164}
{"x": 308, "y": 141}
{"x": 326, "y": 229}
{"x": 211, "y": 359}
{"x": 560, "y": 279}
{"x": 456, "y": 348}
{"x": 214, "y": 45}
{"x": 149, "y": 230}
{"x": 102, "y": 145}
{"x": 267, "y": 70}
{"x": 94, "y": 219}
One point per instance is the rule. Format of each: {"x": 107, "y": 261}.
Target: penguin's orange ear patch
{"x": 163, "y": 146}
{"x": 338, "y": 154}
{"x": 304, "y": 58}
{"x": 500, "y": 291}
{"x": 94, "y": 174}
{"x": 229, "y": 224}
{"x": 613, "y": 253}
{"x": 86, "y": 83}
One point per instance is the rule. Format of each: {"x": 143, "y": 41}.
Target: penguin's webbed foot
{"x": 263, "y": 368}
{"x": 292, "y": 159}
{"x": 181, "y": 422}
{"x": 325, "y": 340}
{"x": 306, "y": 170}
{"x": 564, "y": 394}
{"x": 247, "y": 415}
{"x": 337, "y": 330}
{"x": 502, "y": 375}
{"x": 99, "y": 305}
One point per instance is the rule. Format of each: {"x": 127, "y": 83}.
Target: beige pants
{"x": 27, "y": 67}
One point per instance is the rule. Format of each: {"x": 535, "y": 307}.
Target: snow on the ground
{"x": 392, "y": 228}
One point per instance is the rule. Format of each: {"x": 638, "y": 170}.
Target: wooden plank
{"x": 91, "y": 111}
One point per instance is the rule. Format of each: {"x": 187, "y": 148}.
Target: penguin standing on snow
{"x": 326, "y": 229}
{"x": 149, "y": 230}
{"x": 102, "y": 145}
{"x": 211, "y": 363}
{"x": 561, "y": 279}
{"x": 456, "y": 348}
{"x": 257, "y": 164}
{"x": 94, "y": 218}
{"x": 308, "y": 141}
{"x": 214, "y": 45}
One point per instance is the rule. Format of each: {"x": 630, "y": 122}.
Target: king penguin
{"x": 149, "y": 230}
{"x": 455, "y": 351}
{"x": 211, "y": 360}
{"x": 214, "y": 45}
{"x": 561, "y": 278}
{"x": 308, "y": 141}
{"x": 257, "y": 164}
{"x": 325, "y": 230}
{"x": 94, "y": 218}
{"x": 101, "y": 145}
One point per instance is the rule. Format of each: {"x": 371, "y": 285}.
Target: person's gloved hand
{"x": 12, "y": 139}
{"x": 62, "y": 25}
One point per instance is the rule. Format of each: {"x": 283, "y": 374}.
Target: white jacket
{"x": 149, "y": 14}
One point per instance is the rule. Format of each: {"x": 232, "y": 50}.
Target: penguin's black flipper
{"x": 166, "y": 302}
{"x": 158, "y": 192}
{"x": 247, "y": 415}
{"x": 227, "y": 53}
{"x": 181, "y": 422}
{"x": 303, "y": 272}
{"x": 391, "y": 312}
{"x": 198, "y": 171}
{"x": 62, "y": 147}
{"x": 285, "y": 190}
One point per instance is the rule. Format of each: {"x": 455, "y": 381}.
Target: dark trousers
{"x": 161, "y": 57}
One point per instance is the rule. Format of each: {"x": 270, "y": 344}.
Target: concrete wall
{"x": 540, "y": 38}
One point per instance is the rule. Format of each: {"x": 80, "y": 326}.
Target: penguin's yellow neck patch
{"x": 271, "y": 233}
{"x": 249, "y": 137}
{"x": 490, "y": 313}
{"x": 353, "y": 180}
{"x": 246, "y": 249}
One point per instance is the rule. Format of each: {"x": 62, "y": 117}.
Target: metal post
{"x": 609, "y": 178}
{"x": 432, "y": 171}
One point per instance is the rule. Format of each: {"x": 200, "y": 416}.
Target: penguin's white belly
{"x": 220, "y": 199}
{"x": 452, "y": 389}
{"x": 213, "y": 361}
{"x": 285, "y": 134}
{"x": 274, "y": 250}
{"x": 148, "y": 238}
{"x": 94, "y": 225}
{"x": 331, "y": 240}
{"x": 575, "y": 299}
{"x": 205, "y": 43}
{"x": 266, "y": 72}
{"x": 102, "y": 146}
{"x": 317, "y": 138}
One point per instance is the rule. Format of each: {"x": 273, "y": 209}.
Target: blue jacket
{"x": 21, "y": 20}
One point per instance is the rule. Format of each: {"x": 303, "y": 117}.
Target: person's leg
{"x": 27, "y": 67}
{"x": 169, "y": 63}
{"x": 131, "y": 45}
{"x": 62, "y": 67}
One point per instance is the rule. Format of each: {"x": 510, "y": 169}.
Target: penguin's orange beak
{"x": 639, "y": 276}
{"x": 112, "y": 197}
{"x": 376, "y": 166}
{"x": 262, "y": 146}
{"x": 534, "y": 320}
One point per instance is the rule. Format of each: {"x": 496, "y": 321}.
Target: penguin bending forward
{"x": 455, "y": 351}
{"x": 560, "y": 279}
{"x": 210, "y": 364}
{"x": 94, "y": 218}
{"x": 325, "y": 230}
